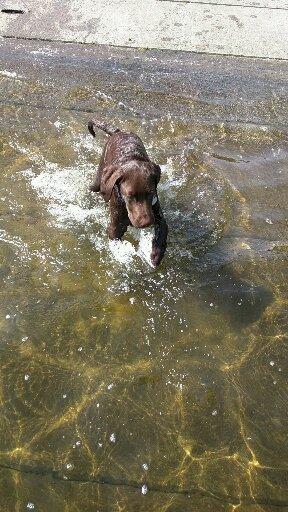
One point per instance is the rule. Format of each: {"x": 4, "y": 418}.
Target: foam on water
{"x": 24, "y": 253}
{"x": 122, "y": 252}
{"x": 170, "y": 180}
{"x": 44, "y": 51}
{"x": 15, "y": 241}
{"x": 67, "y": 198}
{"x": 62, "y": 185}
{"x": 67, "y": 193}
{"x": 10, "y": 74}
{"x": 145, "y": 246}
{"x": 68, "y": 203}
{"x": 80, "y": 142}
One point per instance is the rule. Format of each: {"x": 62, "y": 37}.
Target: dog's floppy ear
{"x": 110, "y": 175}
{"x": 156, "y": 170}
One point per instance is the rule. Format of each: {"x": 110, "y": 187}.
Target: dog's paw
{"x": 94, "y": 188}
{"x": 156, "y": 256}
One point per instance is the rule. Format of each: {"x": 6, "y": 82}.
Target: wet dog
{"x": 128, "y": 180}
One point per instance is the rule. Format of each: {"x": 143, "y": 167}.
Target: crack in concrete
{"x": 226, "y": 4}
{"x": 106, "y": 480}
{"x": 12, "y": 11}
{"x": 66, "y": 41}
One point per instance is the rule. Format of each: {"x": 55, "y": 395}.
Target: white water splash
{"x": 67, "y": 191}
{"x": 45, "y": 51}
{"x": 10, "y": 74}
{"x": 70, "y": 204}
{"x": 123, "y": 252}
{"x": 145, "y": 246}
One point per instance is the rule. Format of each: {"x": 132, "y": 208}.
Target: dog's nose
{"x": 145, "y": 221}
{"x": 145, "y": 224}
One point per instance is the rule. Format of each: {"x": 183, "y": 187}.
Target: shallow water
{"x": 123, "y": 387}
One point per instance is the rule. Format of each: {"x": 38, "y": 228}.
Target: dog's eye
{"x": 128, "y": 199}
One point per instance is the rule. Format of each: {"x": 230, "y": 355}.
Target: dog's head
{"x": 137, "y": 186}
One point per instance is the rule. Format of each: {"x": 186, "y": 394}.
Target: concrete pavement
{"x": 240, "y": 27}
{"x": 217, "y": 125}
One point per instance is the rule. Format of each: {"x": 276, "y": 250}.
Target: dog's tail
{"x": 95, "y": 123}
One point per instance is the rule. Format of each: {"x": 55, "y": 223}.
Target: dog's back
{"x": 121, "y": 146}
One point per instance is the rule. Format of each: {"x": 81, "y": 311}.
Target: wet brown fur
{"x": 127, "y": 179}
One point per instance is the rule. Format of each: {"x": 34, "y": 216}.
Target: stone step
{"x": 205, "y": 27}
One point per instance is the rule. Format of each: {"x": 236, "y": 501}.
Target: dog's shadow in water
{"x": 241, "y": 300}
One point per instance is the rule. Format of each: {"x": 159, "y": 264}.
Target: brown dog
{"x": 127, "y": 179}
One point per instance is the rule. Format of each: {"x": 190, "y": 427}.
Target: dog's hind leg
{"x": 95, "y": 185}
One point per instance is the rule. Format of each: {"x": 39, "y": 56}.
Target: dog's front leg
{"x": 119, "y": 221}
{"x": 159, "y": 242}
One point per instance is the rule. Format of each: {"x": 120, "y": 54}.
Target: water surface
{"x": 123, "y": 387}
